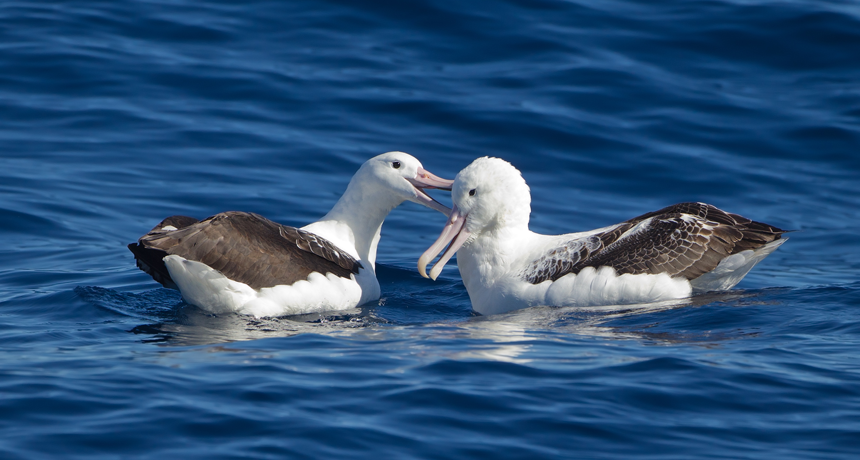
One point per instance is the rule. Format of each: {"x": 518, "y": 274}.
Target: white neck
{"x": 493, "y": 253}
{"x": 355, "y": 221}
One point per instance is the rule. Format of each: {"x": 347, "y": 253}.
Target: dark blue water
{"x": 114, "y": 115}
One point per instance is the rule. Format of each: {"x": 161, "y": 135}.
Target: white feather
{"x": 201, "y": 285}
{"x": 353, "y": 225}
{"x": 502, "y": 255}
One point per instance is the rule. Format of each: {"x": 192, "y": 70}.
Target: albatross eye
{"x": 472, "y": 192}
{"x": 396, "y": 165}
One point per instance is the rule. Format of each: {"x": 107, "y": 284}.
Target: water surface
{"x": 116, "y": 115}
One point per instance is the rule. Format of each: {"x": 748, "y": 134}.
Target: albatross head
{"x": 489, "y": 195}
{"x": 403, "y": 174}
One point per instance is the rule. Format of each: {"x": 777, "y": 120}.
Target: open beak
{"x": 454, "y": 233}
{"x": 423, "y": 180}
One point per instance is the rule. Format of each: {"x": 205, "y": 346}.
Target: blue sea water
{"x": 117, "y": 114}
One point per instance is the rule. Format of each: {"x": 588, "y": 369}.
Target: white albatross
{"x": 242, "y": 262}
{"x": 668, "y": 254}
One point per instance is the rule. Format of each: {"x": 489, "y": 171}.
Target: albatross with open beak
{"x": 663, "y": 255}
{"x": 242, "y": 262}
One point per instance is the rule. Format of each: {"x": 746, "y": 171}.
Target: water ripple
{"x": 117, "y": 114}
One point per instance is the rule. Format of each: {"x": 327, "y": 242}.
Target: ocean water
{"x": 118, "y": 114}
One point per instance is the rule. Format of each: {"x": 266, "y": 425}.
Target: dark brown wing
{"x": 176, "y": 222}
{"x": 687, "y": 239}
{"x": 563, "y": 259}
{"x": 755, "y": 234}
{"x": 244, "y": 247}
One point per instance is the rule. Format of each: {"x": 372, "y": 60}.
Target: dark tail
{"x": 151, "y": 260}
{"x": 755, "y": 234}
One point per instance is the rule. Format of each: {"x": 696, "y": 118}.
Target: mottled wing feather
{"x": 245, "y": 247}
{"x": 675, "y": 244}
{"x": 562, "y": 259}
{"x": 686, "y": 239}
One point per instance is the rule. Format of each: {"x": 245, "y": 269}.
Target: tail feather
{"x": 150, "y": 260}
{"x": 756, "y": 235}
{"x": 734, "y": 268}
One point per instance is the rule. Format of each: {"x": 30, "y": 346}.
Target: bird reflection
{"x": 506, "y": 337}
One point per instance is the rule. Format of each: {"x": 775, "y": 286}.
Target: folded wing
{"x": 244, "y": 247}
{"x": 686, "y": 239}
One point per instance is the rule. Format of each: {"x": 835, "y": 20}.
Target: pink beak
{"x": 454, "y": 233}
{"x": 425, "y": 179}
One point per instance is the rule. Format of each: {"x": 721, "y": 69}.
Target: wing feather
{"x": 684, "y": 240}
{"x": 244, "y": 247}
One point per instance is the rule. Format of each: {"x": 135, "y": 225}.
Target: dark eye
{"x": 396, "y": 165}
{"x": 472, "y": 192}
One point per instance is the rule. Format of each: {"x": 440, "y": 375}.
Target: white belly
{"x": 207, "y": 288}
{"x": 589, "y": 287}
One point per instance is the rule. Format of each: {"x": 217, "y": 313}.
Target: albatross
{"x": 672, "y": 253}
{"x": 242, "y": 262}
